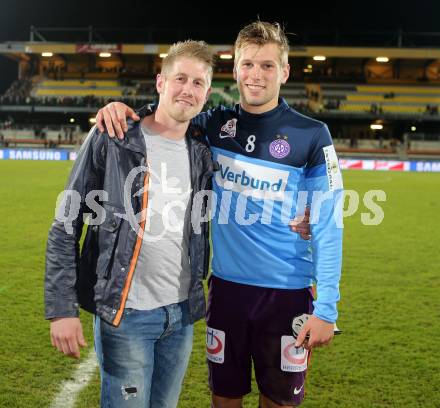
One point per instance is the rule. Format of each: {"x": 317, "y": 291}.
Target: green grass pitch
{"x": 389, "y": 309}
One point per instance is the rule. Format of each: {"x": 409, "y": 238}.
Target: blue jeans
{"x": 143, "y": 361}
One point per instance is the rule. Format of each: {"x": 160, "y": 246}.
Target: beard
{"x": 183, "y": 114}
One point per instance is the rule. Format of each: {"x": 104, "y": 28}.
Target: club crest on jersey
{"x": 229, "y": 129}
{"x": 280, "y": 147}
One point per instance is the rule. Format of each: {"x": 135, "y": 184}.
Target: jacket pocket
{"x": 107, "y": 242}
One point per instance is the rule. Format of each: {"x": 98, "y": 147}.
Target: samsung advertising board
{"x": 34, "y": 154}
{"x": 62, "y": 154}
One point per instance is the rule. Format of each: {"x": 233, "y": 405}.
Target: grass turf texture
{"x": 389, "y": 311}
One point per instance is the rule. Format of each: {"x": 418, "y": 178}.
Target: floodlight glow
{"x": 47, "y": 54}
{"x": 413, "y": 128}
{"x": 105, "y": 54}
{"x": 72, "y": 120}
{"x": 376, "y": 126}
{"x": 92, "y": 120}
{"x": 163, "y": 55}
{"x": 319, "y": 58}
{"x": 382, "y": 59}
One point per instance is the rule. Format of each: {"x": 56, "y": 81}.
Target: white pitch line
{"x": 70, "y": 389}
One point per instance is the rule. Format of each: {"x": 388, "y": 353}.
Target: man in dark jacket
{"x": 146, "y": 250}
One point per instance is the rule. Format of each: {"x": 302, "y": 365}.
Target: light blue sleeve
{"x": 325, "y": 196}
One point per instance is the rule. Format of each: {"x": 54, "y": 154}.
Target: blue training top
{"x": 271, "y": 166}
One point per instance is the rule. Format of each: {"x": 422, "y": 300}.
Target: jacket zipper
{"x": 136, "y": 251}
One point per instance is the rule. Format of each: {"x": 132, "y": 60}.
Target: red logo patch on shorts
{"x": 215, "y": 345}
{"x": 292, "y": 359}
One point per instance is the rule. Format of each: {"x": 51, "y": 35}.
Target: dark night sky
{"x": 17, "y": 15}
{"x": 170, "y": 21}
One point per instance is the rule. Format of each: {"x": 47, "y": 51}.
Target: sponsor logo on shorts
{"x": 215, "y": 345}
{"x": 296, "y": 391}
{"x": 293, "y": 359}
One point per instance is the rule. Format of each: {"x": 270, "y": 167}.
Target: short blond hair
{"x": 199, "y": 50}
{"x": 261, "y": 33}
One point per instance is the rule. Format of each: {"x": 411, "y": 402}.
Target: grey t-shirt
{"x": 162, "y": 275}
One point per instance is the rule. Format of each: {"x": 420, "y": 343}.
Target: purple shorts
{"x": 250, "y": 323}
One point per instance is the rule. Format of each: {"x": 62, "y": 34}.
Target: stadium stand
{"x": 381, "y": 99}
{"x": 77, "y": 88}
{"x": 372, "y": 110}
